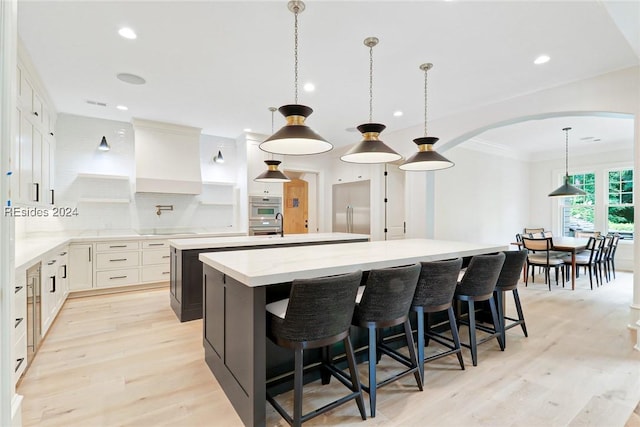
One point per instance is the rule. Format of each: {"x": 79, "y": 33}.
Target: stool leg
{"x": 456, "y": 337}
{"x": 472, "y": 333}
{"x": 500, "y": 303}
{"x": 297, "y": 388}
{"x": 355, "y": 380}
{"x": 497, "y": 324}
{"x": 412, "y": 353}
{"x": 516, "y": 298}
{"x": 420, "y": 334}
{"x": 325, "y": 375}
{"x": 372, "y": 370}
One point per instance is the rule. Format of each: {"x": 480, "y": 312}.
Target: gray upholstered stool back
{"x": 481, "y": 275}
{"x": 436, "y": 284}
{"x": 387, "y": 295}
{"x": 319, "y": 308}
{"x": 511, "y": 269}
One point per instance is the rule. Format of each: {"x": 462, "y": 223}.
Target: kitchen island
{"x": 186, "y": 269}
{"x": 238, "y": 285}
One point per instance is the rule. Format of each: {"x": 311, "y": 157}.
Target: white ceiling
{"x": 220, "y": 65}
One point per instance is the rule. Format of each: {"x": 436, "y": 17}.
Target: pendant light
{"x": 566, "y": 189}
{"x": 104, "y": 145}
{"x": 272, "y": 174}
{"x": 426, "y": 159}
{"x": 371, "y": 149}
{"x": 295, "y": 138}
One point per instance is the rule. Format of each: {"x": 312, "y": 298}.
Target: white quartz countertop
{"x": 30, "y": 248}
{"x": 261, "y": 267}
{"x": 238, "y": 241}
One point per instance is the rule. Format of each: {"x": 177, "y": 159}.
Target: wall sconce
{"x": 218, "y": 157}
{"x": 104, "y": 145}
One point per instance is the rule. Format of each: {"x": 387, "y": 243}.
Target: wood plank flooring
{"x": 125, "y": 360}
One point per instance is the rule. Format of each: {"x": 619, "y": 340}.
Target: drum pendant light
{"x": 566, "y": 189}
{"x": 371, "y": 149}
{"x": 426, "y": 159}
{"x": 295, "y": 138}
{"x": 272, "y": 174}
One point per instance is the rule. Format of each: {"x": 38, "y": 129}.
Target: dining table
{"x": 572, "y": 245}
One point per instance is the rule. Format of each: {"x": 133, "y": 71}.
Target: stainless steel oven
{"x": 262, "y": 215}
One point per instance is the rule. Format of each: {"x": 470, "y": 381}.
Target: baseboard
{"x": 117, "y": 290}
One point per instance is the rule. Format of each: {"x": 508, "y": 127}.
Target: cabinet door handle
{"x": 51, "y": 133}
{"x": 166, "y": 256}
{"x": 156, "y": 244}
{"x": 64, "y": 276}
{"x": 118, "y": 259}
{"x": 117, "y": 246}
{"x": 18, "y": 363}
{"x": 63, "y": 253}
{"x": 117, "y": 277}
{"x": 52, "y": 196}
{"x": 18, "y": 289}
{"x": 89, "y": 253}
{"x": 35, "y": 113}
{"x": 18, "y": 321}
{"x": 53, "y": 284}
{"x": 53, "y": 261}
{"x": 36, "y": 195}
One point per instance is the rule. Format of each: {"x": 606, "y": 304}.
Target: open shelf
{"x": 217, "y": 203}
{"x": 103, "y": 176}
{"x": 218, "y": 183}
{"x": 102, "y": 200}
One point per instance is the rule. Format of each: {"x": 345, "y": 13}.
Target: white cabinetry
{"x": 54, "y": 284}
{"x": 255, "y": 166}
{"x": 80, "y": 266}
{"x": 350, "y": 172}
{"x": 19, "y": 336}
{"x": 117, "y": 264}
{"x": 155, "y": 261}
{"x": 35, "y": 148}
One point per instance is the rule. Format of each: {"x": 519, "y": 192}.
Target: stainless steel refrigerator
{"x": 352, "y": 207}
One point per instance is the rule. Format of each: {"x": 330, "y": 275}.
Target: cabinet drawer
{"x": 125, "y": 276}
{"x": 155, "y": 273}
{"x": 116, "y": 246}
{"x": 117, "y": 260}
{"x": 155, "y": 244}
{"x": 19, "y": 358}
{"x": 160, "y": 256}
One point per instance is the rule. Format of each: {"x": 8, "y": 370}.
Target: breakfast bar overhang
{"x": 238, "y": 285}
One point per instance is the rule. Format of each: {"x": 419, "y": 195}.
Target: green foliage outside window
{"x": 620, "y": 211}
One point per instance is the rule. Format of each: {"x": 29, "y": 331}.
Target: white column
{"x": 8, "y": 43}
{"x": 634, "y": 317}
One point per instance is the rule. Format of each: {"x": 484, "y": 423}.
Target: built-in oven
{"x": 262, "y": 215}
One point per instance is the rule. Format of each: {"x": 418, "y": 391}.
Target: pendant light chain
{"x": 566, "y": 151}
{"x": 425, "y": 101}
{"x": 295, "y": 52}
{"x": 371, "y": 83}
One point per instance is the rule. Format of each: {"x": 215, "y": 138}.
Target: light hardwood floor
{"x": 125, "y": 360}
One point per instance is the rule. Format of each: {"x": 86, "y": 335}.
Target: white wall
{"x": 77, "y": 139}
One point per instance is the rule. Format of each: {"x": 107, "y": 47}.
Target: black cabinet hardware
{"x": 18, "y": 321}
{"x": 18, "y": 289}
{"x": 117, "y": 277}
{"x": 18, "y": 363}
{"x": 53, "y": 284}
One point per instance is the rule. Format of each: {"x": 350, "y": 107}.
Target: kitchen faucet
{"x": 279, "y": 214}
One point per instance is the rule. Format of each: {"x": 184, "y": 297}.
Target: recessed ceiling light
{"x": 309, "y": 87}
{"x": 542, "y": 59}
{"x": 127, "y": 33}
{"x": 397, "y": 113}
{"x": 246, "y": 130}
{"x": 131, "y": 78}
{"x": 122, "y": 107}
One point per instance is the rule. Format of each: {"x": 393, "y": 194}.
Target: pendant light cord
{"x": 566, "y": 152}
{"x": 371, "y": 84}
{"x": 295, "y": 52}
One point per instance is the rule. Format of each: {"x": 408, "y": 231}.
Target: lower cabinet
{"x": 54, "y": 285}
{"x": 80, "y": 266}
{"x": 19, "y": 335}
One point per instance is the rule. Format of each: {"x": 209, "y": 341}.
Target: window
{"x": 578, "y": 213}
{"x": 620, "y": 209}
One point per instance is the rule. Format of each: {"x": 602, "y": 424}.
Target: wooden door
{"x": 296, "y": 206}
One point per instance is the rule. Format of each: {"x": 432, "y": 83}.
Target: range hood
{"x": 167, "y": 158}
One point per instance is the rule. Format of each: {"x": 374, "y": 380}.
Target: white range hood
{"x": 167, "y": 158}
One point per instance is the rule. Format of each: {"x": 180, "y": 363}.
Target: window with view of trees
{"x": 578, "y": 213}
{"x": 620, "y": 209}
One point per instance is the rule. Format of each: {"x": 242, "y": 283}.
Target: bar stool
{"x": 478, "y": 284}
{"x": 508, "y": 281}
{"x": 434, "y": 293}
{"x": 385, "y": 302}
{"x": 317, "y": 314}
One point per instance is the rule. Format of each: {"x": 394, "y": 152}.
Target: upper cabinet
{"x": 34, "y": 149}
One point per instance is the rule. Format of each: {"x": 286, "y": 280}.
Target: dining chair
{"x": 587, "y": 259}
{"x": 612, "y": 254}
{"x": 540, "y": 255}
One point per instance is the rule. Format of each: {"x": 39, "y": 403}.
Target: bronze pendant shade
{"x": 426, "y": 159}
{"x": 295, "y": 138}
{"x": 272, "y": 174}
